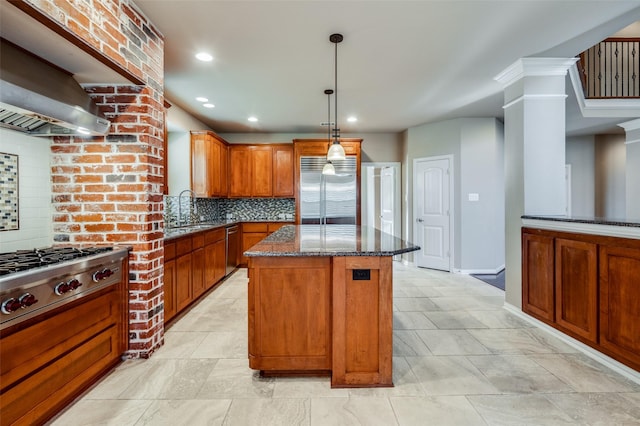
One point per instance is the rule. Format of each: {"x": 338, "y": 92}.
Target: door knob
{"x": 419, "y": 220}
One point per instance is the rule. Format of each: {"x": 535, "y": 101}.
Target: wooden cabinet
{"x": 576, "y": 287}
{"x": 183, "y": 285}
{"x": 169, "y": 281}
{"x": 283, "y": 171}
{"x": 537, "y": 276}
{"x": 261, "y": 170}
{"x": 208, "y": 164}
{"x": 290, "y": 314}
{"x": 586, "y": 286}
{"x": 198, "y": 284}
{"x": 620, "y": 302}
{"x": 192, "y": 265}
{"x": 254, "y": 232}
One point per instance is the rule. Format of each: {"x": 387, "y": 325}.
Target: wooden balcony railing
{"x": 611, "y": 69}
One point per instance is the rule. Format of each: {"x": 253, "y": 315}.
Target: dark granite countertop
{"x": 633, "y": 223}
{"x": 329, "y": 240}
{"x": 171, "y": 233}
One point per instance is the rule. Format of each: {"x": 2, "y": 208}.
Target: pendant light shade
{"x": 328, "y": 169}
{"x": 336, "y": 151}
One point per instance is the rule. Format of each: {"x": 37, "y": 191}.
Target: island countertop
{"x": 330, "y": 240}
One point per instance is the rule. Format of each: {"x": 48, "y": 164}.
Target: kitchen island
{"x": 321, "y": 302}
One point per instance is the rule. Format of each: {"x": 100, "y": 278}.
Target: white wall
{"x": 580, "y": 154}
{"x": 34, "y": 196}
{"x": 179, "y": 124}
{"x": 482, "y": 172}
{"x": 477, "y": 146}
{"x": 610, "y": 195}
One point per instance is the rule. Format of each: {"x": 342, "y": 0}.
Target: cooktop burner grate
{"x": 23, "y": 260}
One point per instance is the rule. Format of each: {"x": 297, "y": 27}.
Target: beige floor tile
{"x": 436, "y": 410}
{"x": 455, "y": 320}
{"x": 179, "y": 344}
{"x": 352, "y": 411}
{"x": 232, "y": 344}
{"x": 103, "y": 412}
{"x": 185, "y": 412}
{"x": 597, "y": 409}
{"x": 232, "y": 378}
{"x": 411, "y": 321}
{"x": 451, "y": 342}
{"x": 519, "y": 341}
{"x": 407, "y": 343}
{"x": 405, "y": 383}
{"x": 584, "y": 374}
{"x": 450, "y": 375}
{"x": 519, "y": 410}
{"x": 269, "y": 412}
{"x": 306, "y": 387}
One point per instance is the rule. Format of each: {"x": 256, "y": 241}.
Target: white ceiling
{"x": 401, "y": 64}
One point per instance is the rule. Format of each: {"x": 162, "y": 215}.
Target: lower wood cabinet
{"x": 254, "y": 232}
{"x": 620, "y": 302}
{"x": 586, "y": 286}
{"x": 192, "y": 265}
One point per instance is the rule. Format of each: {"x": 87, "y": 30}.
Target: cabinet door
{"x": 183, "y": 281}
{"x": 209, "y": 265}
{"x": 249, "y": 240}
{"x": 620, "y": 302}
{"x": 214, "y": 167}
{"x": 537, "y": 276}
{"x": 200, "y": 164}
{"x": 169, "y": 290}
{"x": 197, "y": 272}
{"x": 239, "y": 171}
{"x": 577, "y": 288}
{"x": 220, "y": 260}
{"x": 224, "y": 167}
{"x": 283, "y": 171}
{"x": 262, "y": 171}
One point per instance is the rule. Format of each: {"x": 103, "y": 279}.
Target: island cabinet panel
{"x": 362, "y": 321}
{"x": 577, "y": 287}
{"x": 538, "y": 276}
{"x": 290, "y": 314}
{"x": 620, "y": 303}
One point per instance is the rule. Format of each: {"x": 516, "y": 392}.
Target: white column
{"x": 534, "y": 133}
{"x": 632, "y": 168}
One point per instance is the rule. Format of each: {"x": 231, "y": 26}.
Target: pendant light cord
{"x": 336, "y": 132}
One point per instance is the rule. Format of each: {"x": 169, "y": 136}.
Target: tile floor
{"x": 459, "y": 359}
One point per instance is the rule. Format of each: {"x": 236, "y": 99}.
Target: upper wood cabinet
{"x": 261, "y": 170}
{"x": 208, "y": 164}
{"x": 283, "y": 167}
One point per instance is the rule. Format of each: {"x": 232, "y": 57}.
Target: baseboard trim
{"x": 597, "y": 356}
{"x": 480, "y": 271}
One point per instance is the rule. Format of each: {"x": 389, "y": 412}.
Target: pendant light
{"x": 336, "y": 151}
{"x": 328, "y": 168}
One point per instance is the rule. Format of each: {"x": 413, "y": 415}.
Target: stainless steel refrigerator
{"x": 330, "y": 199}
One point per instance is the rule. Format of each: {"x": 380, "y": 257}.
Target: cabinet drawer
{"x": 183, "y": 245}
{"x": 214, "y": 235}
{"x": 197, "y": 241}
{"x": 169, "y": 251}
{"x": 273, "y": 227}
{"x": 255, "y": 227}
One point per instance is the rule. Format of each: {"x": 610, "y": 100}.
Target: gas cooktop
{"x": 23, "y": 260}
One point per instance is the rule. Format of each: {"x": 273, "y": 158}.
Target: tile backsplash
{"x": 202, "y": 210}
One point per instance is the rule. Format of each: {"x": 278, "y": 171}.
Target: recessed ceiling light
{"x": 208, "y": 105}
{"x": 352, "y": 119}
{"x": 201, "y": 99}
{"x": 204, "y": 57}
{"x": 252, "y": 119}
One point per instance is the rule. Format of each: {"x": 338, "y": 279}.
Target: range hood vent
{"x": 40, "y": 99}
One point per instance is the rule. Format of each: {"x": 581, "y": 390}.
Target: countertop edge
{"x": 582, "y": 227}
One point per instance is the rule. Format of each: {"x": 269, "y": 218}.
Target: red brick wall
{"x": 108, "y": 190}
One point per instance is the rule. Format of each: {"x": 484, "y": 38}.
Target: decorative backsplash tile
{"x": 201, "y": 210}
{"x": 9, "y": 192}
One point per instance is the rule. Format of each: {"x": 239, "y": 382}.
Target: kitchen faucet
{"x": 192, "y": 195}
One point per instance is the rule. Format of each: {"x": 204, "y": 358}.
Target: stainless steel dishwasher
{"x": 233, "y": 248}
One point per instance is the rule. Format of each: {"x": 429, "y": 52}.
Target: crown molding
{"x": 534, "y": 67}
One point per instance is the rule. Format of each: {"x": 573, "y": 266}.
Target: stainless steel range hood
{"x": 40, "y": 99}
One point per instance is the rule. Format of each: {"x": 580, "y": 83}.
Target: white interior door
{"x": 387, "y": 199}
{"x": 432, "y": 215}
